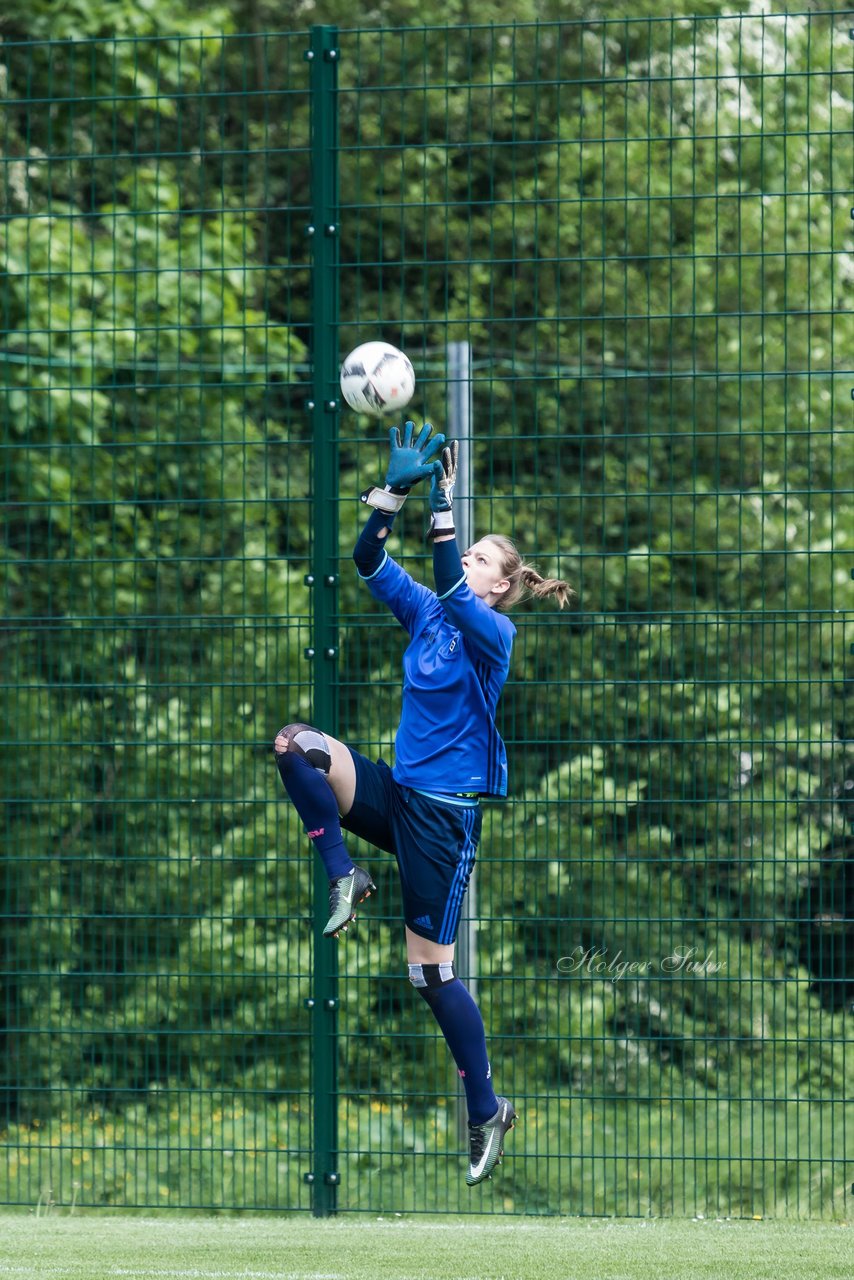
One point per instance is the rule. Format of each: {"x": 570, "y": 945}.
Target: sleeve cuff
{"x": 452, "y": 589}
{"x": 366, "y": 577}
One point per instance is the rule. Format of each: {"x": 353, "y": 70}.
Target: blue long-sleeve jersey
{"x": 453, "y": 672}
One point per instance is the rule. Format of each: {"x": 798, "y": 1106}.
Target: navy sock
{"x": 314, "y": 801}
{"x": 462, "y": 1026}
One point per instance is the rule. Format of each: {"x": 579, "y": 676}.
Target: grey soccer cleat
{"x": 345, "y": 894}
{"x": 487, "y": 1142}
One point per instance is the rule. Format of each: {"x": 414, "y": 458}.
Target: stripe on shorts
{"x": 451, "y": 918}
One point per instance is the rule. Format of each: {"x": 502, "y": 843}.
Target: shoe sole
{"x": 342, "y": 928}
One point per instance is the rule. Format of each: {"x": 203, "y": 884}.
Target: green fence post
{"x": 323, "y": 406}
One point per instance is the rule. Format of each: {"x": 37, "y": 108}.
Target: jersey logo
{"x": 424, "y": 921}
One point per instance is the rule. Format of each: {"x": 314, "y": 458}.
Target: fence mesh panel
{"x": 642, "y": 231}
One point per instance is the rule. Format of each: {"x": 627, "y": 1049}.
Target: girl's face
{"x": 485, "y": 572}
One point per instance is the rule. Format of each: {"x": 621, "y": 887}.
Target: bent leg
{"x": 320, "y": 777}
{"x": 314, "y": 770}
{"x": 339, "y": 770}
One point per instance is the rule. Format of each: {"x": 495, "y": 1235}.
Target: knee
{"x": 285, "y": 737}
{"x": 425, "y": 978}
{"x": 303, "y": 740}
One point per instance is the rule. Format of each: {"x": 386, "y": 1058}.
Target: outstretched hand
{"x": 411, "y": 460}
{"x": 444, "y": 471}
{"x": 442, "y": 493}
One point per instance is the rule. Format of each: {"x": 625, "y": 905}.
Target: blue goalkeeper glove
{"x": 442, "y": 493}
{"x": 410, "y": 462}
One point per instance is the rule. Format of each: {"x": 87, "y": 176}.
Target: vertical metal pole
{"x": 323, "y": 408}
{"x": 459, "y": 428}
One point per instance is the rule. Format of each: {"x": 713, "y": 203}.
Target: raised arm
{"x": 369, "y": 551}
{"x": 409, "y": 462}
{"x": 488, "y": 634}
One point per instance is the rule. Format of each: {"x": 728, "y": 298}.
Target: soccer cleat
{"x": 344, "y": 895}
{"x": 487, "y": 1142}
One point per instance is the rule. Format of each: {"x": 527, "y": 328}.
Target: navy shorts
{"x": 434, "y": 842}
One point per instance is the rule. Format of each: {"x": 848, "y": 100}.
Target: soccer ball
{"x": 376, "y": 378}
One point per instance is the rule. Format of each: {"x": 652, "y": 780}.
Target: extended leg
{"x": 431, "y": 972}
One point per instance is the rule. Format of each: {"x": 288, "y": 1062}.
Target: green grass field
{"x": 93, "y": 1247}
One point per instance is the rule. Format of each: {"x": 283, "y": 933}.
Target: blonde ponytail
{"x": 524, "y": 578}
{"x": 542, "y": 588}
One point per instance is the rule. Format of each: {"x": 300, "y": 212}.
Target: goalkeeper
{"x": 448, "y": 753}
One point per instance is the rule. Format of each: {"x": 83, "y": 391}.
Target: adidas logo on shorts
{"x": 424, "y": 921}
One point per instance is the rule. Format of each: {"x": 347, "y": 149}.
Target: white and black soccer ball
{"x": 376, "y": 378}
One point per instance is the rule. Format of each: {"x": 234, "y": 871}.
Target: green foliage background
{"x": 643, "y": 229}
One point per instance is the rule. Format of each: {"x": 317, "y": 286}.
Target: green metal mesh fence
{"x": 641, "y": 230}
